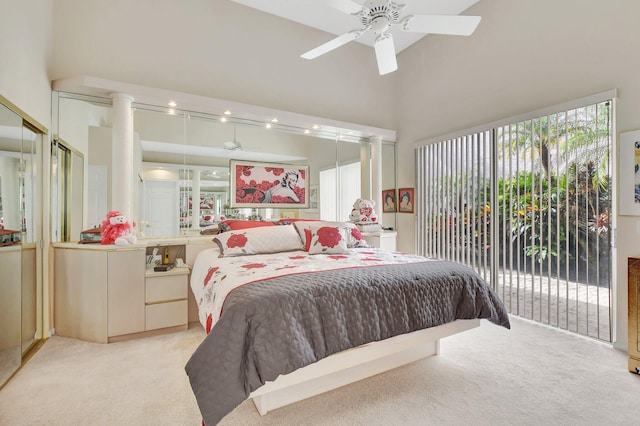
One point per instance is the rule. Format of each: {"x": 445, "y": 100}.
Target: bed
{"x": 292, "y": 311}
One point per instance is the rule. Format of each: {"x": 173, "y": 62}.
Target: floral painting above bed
{"x": 269, "y": 185}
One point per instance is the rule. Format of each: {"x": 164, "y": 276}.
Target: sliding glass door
{"x": 528, "y": 205}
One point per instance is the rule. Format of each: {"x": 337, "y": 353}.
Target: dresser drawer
{"x": 161, "y": 315}
{"x": 165, "y": 288}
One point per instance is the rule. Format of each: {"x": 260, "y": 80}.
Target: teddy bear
{"x": 363, "y": 211}
{"x": 117, "y": 230}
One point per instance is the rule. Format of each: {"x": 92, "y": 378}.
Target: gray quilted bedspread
{"x": 276, "y": 326}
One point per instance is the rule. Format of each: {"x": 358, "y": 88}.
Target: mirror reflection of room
{"x": 183, "y": 156}
{"x": 18, "y": 236}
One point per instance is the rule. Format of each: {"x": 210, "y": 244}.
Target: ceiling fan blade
{"x": 385, "y": 54}
{"x": 441, "y": 24}
{"x": 332, "y": 44}
{"x": 349, "y": 7}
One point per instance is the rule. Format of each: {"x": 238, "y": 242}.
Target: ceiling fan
{"x": 233, "y": 145}
{"x": 380, "y": 15}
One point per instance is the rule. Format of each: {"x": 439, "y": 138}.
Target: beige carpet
{"x": 530, "y": 375}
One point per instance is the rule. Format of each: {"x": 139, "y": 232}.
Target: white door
{"x": 161, "y": 208}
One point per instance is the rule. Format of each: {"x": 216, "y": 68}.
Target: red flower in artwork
{"x": 209, "y": 323}
{"x": 337, "y": 257}
{"x": 329, "y": 236}
{"x": 246, "y": 170}
{"x": 301, "y": 174}
{"x": 254, "y": 265}
{"x": 236, "y": 240}
{"x": 209, "y": 275}
{"x": 278, "y": 171}
{"x": 300, "y": 193}
{"x": 265, "y": 186}
{"x": 355, "y": 233}
{"x": 280, "y": 199}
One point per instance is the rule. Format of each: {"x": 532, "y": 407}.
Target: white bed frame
{"x": 354, "y": 364}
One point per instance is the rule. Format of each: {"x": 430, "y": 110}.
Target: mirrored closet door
{"x": 20, "y": 254}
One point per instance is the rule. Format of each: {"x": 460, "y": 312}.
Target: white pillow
{"x": 325, "y": 239}
{"x": 352, "y": 234}
{"x": 266, "y": 239}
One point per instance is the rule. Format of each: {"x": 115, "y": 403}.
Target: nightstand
{"x": 383, "y": 239}
{"x": 166, "y": 298}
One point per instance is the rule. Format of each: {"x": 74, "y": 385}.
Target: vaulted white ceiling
{"x": 333, "y": 16}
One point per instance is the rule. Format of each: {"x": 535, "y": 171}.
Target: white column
{"x": 376, "y": 173}
{"x": 122, "y": 155}
{"x": 195, "y": 200}
{"x": 365, "y": 170}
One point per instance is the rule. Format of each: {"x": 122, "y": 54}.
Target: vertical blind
{"x": 528, "y": 205}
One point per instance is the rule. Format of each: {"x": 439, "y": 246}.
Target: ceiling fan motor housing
{"x": 380, "y": 15}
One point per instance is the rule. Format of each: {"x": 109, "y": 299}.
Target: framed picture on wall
{"x": 405, "y": 200}
{"x": 270, "y": 185}
{"x": 314, "y": 197}
{"x": 389, "y": 201}
{"x": 629, "y": 173}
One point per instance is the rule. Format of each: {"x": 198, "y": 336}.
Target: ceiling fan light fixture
{"x": 385, "y": 54}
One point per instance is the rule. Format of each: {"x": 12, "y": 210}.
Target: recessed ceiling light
{"x": 268, "y": 126}
{"x": 307, "y": 131}
{"x": 223, "y": 119}
{"x": 227, "y": 112}
{"x": 275, "y": 120}
{"x": 173, "y": 104}
{"x": 316, "y": 127}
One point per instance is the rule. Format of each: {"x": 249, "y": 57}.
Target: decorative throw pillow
{"x": 326, "y": 240}
{"x": 258, "y": 241}
{"x": 352, "y": 234}
{"x": 210, "y": 230}
{"x": 355, "y": 238}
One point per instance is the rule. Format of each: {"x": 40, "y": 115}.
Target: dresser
{"x": 107, "y": 293}
{"x": 633, "y": 280}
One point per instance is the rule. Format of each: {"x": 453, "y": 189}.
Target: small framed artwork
{"x": 405, "y": 200}
{"x": 629, "y": 173}
{"x": 314, "y": 196}
{"x": 269, "y": 185}
{"x": 389, "y": 201}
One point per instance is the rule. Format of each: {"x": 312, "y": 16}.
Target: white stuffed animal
{"x": 363, "y": 211}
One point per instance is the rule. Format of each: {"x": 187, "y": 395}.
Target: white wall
{"x": 220, "y": 49}
{"x": 25, "y": 50}
{"x": 525, "y": 55}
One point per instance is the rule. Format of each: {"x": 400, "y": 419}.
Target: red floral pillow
{"x": 355, "y": 238}
{"x": 270, "y": 239}
{"x": 352, "y": 234}
{"x": 326, "y": 240}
